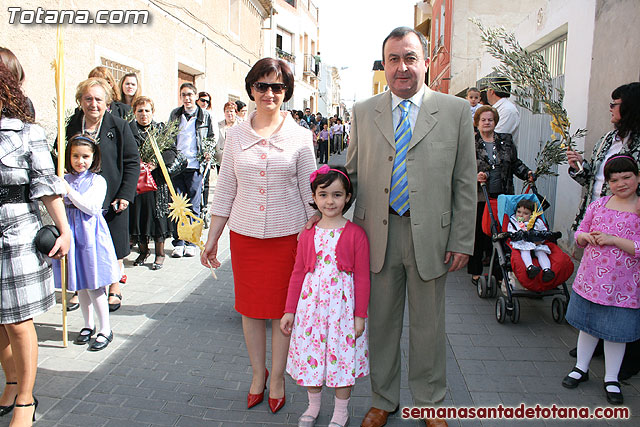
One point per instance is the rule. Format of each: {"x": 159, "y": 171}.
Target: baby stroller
{"x": 515, "y": 280}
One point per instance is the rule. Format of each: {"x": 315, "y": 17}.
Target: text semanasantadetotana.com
{"x": 517, "y": 412}
{"x": 17, "y": 15}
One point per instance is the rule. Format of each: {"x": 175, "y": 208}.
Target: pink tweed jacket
{"x": 263, "y": 187}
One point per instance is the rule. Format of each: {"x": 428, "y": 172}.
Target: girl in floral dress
{"x": 327, "y": 300}
{"x": 606, "y": 294}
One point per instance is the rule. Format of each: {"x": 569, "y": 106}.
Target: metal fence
{"x": 533, "y": 133}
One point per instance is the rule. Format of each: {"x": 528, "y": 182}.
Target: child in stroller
{"x": 516, "y": 281}
{"x": 522, "y": 221}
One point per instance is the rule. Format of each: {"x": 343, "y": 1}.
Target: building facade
{"x": 196, "y": 41}
{"x": 379, "y": 79}
{"x": 585, "y": 57}
{"x": 293, "y": 36}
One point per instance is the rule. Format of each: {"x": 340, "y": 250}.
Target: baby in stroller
{"x": 521, "y": 221}
{"x": 536, "y": 238}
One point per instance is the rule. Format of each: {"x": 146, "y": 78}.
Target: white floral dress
{"x": 323, "y": 349}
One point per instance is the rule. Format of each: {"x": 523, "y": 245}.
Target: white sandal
{"x": 334, "y": 424}
{"x": 306, "y": 421}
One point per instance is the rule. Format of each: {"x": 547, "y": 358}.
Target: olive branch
{"x": 532, "y": 85}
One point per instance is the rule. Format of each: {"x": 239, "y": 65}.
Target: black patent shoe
{"x": 26, "y": 405}
{"x": 71, "y": 306}
{"x": 548, "y": 275}
{"x": 141, "y": 259}
{"x": 4, "y": 410}
{"x": 98, "y": 345}
{"x": 570, "y": 382}
{"x": 614, "y": 398}
{"x": 532, "y": 271}
{"x": 84, "y": 338}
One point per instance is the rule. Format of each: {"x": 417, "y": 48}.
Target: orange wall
{"x": 440, "y": 67}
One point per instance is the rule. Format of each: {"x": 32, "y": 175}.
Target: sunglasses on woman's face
{"x": 204, "y": 100}
{"x": 275, "y": 87}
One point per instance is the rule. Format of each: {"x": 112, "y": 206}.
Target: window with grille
{"x": 117, "y": 70}
{"x": 554, "y": 55}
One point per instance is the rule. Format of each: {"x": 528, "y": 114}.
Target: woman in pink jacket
{"x": 263, "y": 194}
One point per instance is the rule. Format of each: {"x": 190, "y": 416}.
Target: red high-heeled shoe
{"x": 277, "y": 404}
{"x": 254, "y": 399}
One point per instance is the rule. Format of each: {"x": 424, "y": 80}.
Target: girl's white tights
{"x": 543, "y": 259}
{"x": 95, "y": 300}
{"x": 613, "y": 355}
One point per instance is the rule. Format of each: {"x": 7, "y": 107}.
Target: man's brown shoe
{"x": 435, "y": 422}
{"x": 376, "y": 417}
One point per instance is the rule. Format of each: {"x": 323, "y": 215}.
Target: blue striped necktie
{"x": 399, "y": 195}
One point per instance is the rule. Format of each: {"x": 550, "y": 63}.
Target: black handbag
{"x": 178, "y": 165}
{"x": 46, "y": 238}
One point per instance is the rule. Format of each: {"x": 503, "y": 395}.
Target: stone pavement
{"x": 179, "y": 359}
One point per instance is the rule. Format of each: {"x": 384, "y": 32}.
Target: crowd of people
{"x": 334, "y": 289}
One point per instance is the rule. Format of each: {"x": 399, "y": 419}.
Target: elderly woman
{"x": 263, "y": 192}
{"x": 129, "y": 89}
{"x": 230, "y": 111}
{"x": 148, "y": 216}
{"x": 114, "y": 106}
{"x": 26, "y": 282}
{"x": 497, "y": 161}
{"x": 120, "y": 164}
{"x": 624, "y": 139}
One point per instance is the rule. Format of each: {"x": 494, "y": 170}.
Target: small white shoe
{"x": 178, "y": 252}
{"x": 189, "y": 251}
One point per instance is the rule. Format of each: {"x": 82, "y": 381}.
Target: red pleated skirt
{"x": 261, "y": 272}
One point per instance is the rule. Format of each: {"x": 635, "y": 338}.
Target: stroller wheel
{"x": 558, "y": 309}
{"x": 515, "y": 310}
{"x": 482, "y": 287}
{"x": 501, "y": 309}
{"x": 493, "y": 286}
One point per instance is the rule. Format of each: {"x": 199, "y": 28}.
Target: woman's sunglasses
{"x": 275, "y": 87}
{"x": 205, "y": 100}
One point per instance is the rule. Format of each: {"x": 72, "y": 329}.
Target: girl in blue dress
{"x": 92, "y": 261}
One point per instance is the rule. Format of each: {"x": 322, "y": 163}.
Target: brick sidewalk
{"x": 179, "y": 359}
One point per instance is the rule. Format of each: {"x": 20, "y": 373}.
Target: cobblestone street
{"x": 179, "y": 359}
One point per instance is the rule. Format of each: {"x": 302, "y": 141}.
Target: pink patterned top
{"x": 608, "y": 275}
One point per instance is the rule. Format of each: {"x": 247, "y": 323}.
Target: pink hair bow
{"x": 324, "y": 169}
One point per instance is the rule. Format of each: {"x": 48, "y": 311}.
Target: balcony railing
{"x": 310, "y": 65}
{"x": 289, "y": 58}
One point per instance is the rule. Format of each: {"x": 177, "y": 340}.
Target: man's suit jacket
{"x": 441, "y": 170}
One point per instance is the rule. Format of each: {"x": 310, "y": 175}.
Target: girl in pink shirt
{"x": 606, "y": 295}
{"x": 327, "y": 300}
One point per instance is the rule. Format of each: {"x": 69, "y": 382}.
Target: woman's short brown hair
{"x": 104, "y": 73}
{"x": 143, "y": 100}
{"x": 84, "y": 86}
{"x": 267, "y": 66}
{"x": 232, "y": 105}
{"x": 484, "y": 109}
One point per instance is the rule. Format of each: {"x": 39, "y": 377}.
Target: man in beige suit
{"x": 412, "y": 163}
